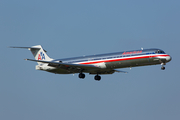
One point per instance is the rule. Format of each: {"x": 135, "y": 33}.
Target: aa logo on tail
{"x": 41, "y": 56}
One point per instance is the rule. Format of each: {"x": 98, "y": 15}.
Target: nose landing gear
{"x": 163, "y": 68}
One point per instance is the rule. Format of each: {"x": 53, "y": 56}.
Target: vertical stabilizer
{"x": 39, "y": 53}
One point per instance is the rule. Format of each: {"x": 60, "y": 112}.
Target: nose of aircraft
{"x": 168, "y": 58}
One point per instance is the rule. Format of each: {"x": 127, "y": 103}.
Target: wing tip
{"x": 121, "y": 71}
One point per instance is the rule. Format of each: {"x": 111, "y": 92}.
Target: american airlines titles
{"x": 134, "y": 52}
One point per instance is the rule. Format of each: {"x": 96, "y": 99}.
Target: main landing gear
{"x": 97, "y": 77}
{"x": 81, "y": 75}
{"x": 162, "y": 68}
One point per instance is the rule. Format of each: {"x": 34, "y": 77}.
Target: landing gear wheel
{"x": 97, "y": 77}
{"x": 81, "y": 75}
{"x": 162, "y": 68}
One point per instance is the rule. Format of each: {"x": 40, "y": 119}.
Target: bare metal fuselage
{"x": 110, "y": 61}
{"x": 97, "y": 64}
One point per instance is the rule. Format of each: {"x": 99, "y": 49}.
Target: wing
{"x": 76, "y": 68}
{"x": 70, "y": 68}
{"x": 60, "y": 64}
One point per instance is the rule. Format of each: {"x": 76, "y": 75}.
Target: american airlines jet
{"x": 97, "y": 64}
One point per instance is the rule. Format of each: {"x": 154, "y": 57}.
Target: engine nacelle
{"x": 44, "y": 67}
{"x": 100, "y": 65}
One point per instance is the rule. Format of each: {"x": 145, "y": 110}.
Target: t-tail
{"x": 38, "y": 52}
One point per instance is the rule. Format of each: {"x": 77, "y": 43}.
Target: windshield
{"x": 160, "y": 51}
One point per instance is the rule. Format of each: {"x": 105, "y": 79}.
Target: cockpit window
{"x": 160, "y": 51}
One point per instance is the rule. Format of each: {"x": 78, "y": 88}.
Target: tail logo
{"x": 41, "y": 56}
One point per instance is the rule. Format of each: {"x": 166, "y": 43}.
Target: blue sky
{"x": 76, "y": 28}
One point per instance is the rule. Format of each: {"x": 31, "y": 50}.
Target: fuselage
{"x": 97, "y": 64}
{"x": 124, "y": 59}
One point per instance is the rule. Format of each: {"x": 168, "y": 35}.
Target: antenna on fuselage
{"x": 141, "y": 48}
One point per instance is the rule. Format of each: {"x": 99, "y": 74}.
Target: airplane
{"x": 98, "y": 64}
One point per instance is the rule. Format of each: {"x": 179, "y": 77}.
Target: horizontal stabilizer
{"x": 29, "y": 48}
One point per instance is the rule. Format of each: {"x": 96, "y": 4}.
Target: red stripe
{"x": 122, "y": 59}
